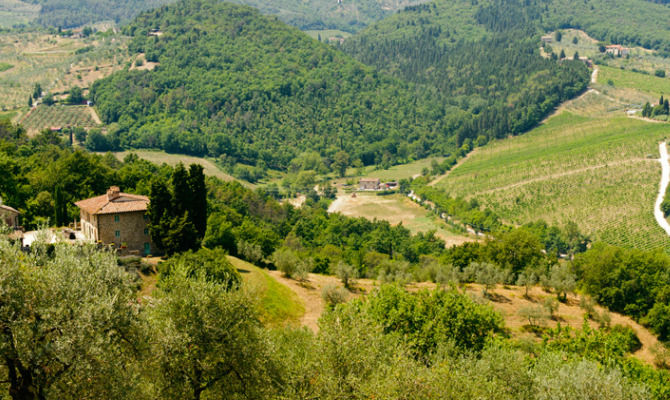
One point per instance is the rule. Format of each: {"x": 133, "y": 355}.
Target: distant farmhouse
{"x": 617, "y": 50}
{"x": 117, "y": 218}
{"x": 369, "y": 184}
{"x": 9, "y": 216}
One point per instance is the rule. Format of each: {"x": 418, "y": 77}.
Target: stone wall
{"x": 131, "y": 227}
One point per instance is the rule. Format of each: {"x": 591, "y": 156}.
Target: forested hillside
{"x": 283, "y": 93}
{"x": 74, "y": 13}
{"x": 349, "y": 16}
{"x": 231, "y": 81}
{"x": 482, "y": 59}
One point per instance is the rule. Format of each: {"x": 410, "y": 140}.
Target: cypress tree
{"x": 60, "y": 207}
{"x": 198, "y": 209}
{"x": 182, "y": 197}
{"x": 158, "y": 211}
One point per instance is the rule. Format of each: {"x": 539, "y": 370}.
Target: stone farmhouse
{"x": 117, "y": 218}
{"x": 617, "y": 50}
{"x": 9, "y": 216}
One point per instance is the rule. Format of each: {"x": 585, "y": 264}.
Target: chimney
{"x": 113, "y": 193}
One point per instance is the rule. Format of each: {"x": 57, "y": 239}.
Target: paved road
{"x": 665, "y": 178}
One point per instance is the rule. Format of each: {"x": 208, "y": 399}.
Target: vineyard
{"x": 56, "y": 63}
{"x": 589, "y": 164}
{"x": 44, "y": 117}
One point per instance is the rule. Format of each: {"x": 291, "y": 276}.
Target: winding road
{"x": 665, "y": 179}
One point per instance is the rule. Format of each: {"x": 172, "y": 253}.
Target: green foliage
{"x": 324, "y": 14}
{"x": 262, "y": 104}
{"x": 426, "y": 319}
{"x": 75, "y": 13}
{"x": 481, "y": 59}
{"x": 178, "y": 213}
{"x": 633, "y": 282}
{"x": 207, "y": 342}
{"x": 75, "y": 96}
{"x": 69, "y": 323}
{"x": 211, "y": 265}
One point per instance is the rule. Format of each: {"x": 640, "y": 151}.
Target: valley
{"x": 388, "y": 199}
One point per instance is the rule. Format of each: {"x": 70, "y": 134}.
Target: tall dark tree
{"x": 198, "y": 209}
{"x": 181, "y": 191}
{"x": 158, "y": 211}
{"x": 60, "y": 206}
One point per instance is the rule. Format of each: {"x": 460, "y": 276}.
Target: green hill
{"x": 231, "y": 81}
{"x": 346, "y": 15}
{"x": 73, "y": 13}
{"x": 482, "y": 59}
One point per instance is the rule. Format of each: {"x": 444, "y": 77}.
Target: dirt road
{"x": 665, "y": 178}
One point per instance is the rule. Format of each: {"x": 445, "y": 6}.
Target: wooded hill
{"x": 74, "y": 13}
{"x": 233, "y": 82}
{"x": 348, "y": 16}
{"x": 483, "y": 58}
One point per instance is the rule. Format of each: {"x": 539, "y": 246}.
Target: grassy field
{"x": 652, "y": 85}
{"x": 396, "y": 209}
{"x": 160, "y": 157}
{"x": 57, "y": 116}
{"x": 279, "y": 304}
{"x": 589, "y": 164}
{"x": 54, "y": 62}
{"x": 396, "y": 172}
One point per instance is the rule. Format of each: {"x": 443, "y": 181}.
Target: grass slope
{"x": 588, "y": 164}
{"x": 649, "y": 84}
{"x": 279, "y": 304}
{"x": 160, "y": 157}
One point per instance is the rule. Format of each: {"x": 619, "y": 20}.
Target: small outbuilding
{"x": 9, "y": 216}
{"x": 369, "y": 184}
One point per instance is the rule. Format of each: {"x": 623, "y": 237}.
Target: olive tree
{"x": 207, "y": 341}
{"x": 69, "y": 325}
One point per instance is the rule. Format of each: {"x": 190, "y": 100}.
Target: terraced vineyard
{"x": 58, "y": 116}
{"x": 54, "y": 62}
{"x": 589, "y": 164}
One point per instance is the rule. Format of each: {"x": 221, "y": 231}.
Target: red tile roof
{"x": 115, "y": 203}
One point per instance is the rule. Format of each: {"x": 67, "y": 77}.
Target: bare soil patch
{"x": 507, "y": 300}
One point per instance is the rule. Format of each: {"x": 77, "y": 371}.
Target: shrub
{"x": 347, "y": 274}
{"x": 333, "y": 295}
{"x": 212, "y": 264}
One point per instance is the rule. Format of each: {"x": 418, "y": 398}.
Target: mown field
{"x": 54, "y": 62}
{"x": 160, "y": 157}
{"x": 589, "y": 164}
{"x": 43, "y": 117}
{"x": 396, "y": 172}
{"x": 396, "y": 209}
